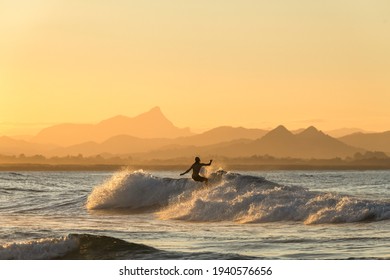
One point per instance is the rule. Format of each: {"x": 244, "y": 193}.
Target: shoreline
{"x": 239, "y": 167}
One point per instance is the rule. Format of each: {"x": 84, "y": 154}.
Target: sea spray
{"x": 231, "y": 197}
{"x": 137, "y": 190}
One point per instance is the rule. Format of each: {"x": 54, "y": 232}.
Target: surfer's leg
{"x": 200, "y": 179}
{"x": 204, "y": 180}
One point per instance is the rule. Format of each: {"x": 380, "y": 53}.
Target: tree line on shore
{"x": 359, "y": 160}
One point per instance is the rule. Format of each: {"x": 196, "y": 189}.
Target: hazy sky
{"x": 249, "y": 63}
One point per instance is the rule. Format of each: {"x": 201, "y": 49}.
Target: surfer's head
{"x": 197, "y": 159}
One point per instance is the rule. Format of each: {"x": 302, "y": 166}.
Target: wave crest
{"x": 75, "y": 246}
{"x": 137, "y": 190}
{"x": 42, "y": 249}
{"x": 232, "y": 197}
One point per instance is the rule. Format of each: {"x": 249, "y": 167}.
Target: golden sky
{"x": 251, "y": 63}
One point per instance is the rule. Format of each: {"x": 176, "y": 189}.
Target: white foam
{"x": 348, "y": 209}
{"x": 136, "y": 190}
{"x": 246, "y": 199}
{"x": 42, "y": 249}
{"x": 232, "y": 197}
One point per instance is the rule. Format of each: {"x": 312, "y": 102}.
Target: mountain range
{"x": 369, "y": 141}
{"x": 279, "y": 142}
{"x": 151, "y": 135}
{"x": 152, "y": 124}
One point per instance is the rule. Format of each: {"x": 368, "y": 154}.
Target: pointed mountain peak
{"x": 155, "y": 111}
{"x": 280, "y": 131}
{"x": 154, "y": 114}
{"x": 281, "y": 128}
{"x": 312, "y": 128}
{"x": 311, "y": 131}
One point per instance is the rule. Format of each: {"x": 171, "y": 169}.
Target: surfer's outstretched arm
{"x": 185, "y": 172}
{"x": 207, "y": 164}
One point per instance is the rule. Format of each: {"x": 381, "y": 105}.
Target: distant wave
{"x": 96, "y": 247}
{"x": 41, "y": 249}
{"x": 73, "y": 246}
{"x": 231, "y": 197}
{"x": 12, "y": 176}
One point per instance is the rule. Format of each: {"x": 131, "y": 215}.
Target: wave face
{"x": 232, "y": 197}
{"x": 75, "y": 246}
{"x": 98, "y": 247}
{"x": 42, "y": 249}
{"x": 138, "y": 190}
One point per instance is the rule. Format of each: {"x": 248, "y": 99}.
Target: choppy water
{"x": 159, "y": 215}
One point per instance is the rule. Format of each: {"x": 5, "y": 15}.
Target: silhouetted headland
{"x": 151, "y": 141}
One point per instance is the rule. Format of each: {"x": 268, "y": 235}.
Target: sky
{"x": 250, "y": 63}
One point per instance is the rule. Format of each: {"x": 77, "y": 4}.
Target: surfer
{"x": 196, "y": 169}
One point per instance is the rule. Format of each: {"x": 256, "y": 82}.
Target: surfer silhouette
{"x": 196, "y": 169}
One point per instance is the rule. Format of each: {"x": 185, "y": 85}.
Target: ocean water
{"x": 160, "y": 215}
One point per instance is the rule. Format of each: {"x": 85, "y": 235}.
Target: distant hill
{"x": 221, "y": 134}
{"x": 279, "y": 142}
{"x": 222, "y": 141}
{"x": 10, "y": 146}
{"x": 152, "y": 136}
{"x": 309, "y": 143}
{"x": 125, "y": 144}
{"x": 152, "y": 124}
{"x": 337, "y": 133}
{"x": 117, "y": 145}
{"x": 369, "y": 141}
{"x": 316, "y": 144}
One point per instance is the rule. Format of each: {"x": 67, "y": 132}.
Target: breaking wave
{"x": 74, "y": 246}
{"x": 42, "y": 249}
{"x": 231, "y": 197}
{"x": 97, "y": 247}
